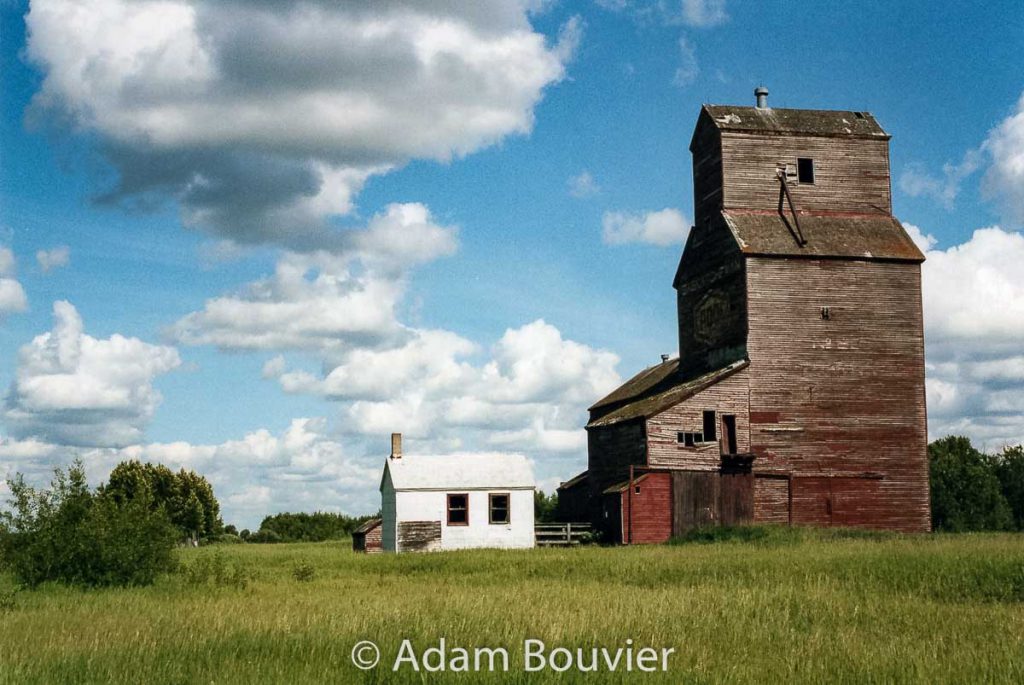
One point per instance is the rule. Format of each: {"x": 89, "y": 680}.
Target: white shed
{"x": 456, "y": 501}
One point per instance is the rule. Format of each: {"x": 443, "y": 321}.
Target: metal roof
{"x": 851, "y": 236}
{"x": 657, "y": 400}
{"x": 477, "y": 471}
{"x": 809, "y": 122}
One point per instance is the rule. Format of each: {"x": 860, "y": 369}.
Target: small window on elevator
{"x": 805, "y": 170}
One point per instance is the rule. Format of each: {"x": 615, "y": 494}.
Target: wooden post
{"x": 629, "y": 499}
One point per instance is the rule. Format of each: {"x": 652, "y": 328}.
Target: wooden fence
{"x": 561, "y": 534}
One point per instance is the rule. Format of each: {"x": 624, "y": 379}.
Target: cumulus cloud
{"x": 12, "y": 295}
{"x": 55, "y": 258}
{"x": 262, "y": 119}
{"x": 71, "y": 388}
{"x": 583, "y": 185}
{"x": 1004, "y": 180}
{"x": 321, "y": 300}
{"x": 916, "y": 181}
{"x": 260, "y": 473}
{"x": 664, "y": 227}
{"x": 974, "y": 328}
{"x": 530, "y": 395}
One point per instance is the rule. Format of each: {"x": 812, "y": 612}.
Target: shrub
{"x": 215, "y": 570}
{"x": 264, "y": 536}
{"x": 72, "y": 535}
{"x": 245, "y": 535}
{"x": 304, "y": 572}
{"x": 8, "y": 600}
{"x": 225, "y": 539}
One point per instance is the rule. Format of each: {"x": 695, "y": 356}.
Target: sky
{"x": 253, "y": 238}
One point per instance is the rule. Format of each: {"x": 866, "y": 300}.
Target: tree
{"x": 186, "y": 496}
{"x": 72, "y": 535}
{"x": 966, "y": 492}
{"x": 1010, "y": 471}
{"x": 545, "y": 507}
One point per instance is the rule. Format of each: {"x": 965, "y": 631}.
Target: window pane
{"x": 499, "y": 509}
{"x": 458, "y": 509}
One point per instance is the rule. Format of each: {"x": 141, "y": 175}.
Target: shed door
{"x": 695, "y": 496}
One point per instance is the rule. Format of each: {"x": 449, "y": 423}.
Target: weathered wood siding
{"x": 419, "y": 536}
{"x": 648, "y": 513}
{"x": 695, "y": 499}
{"x": 711, "y": 299}
{"x": 611, "y": 450}
{"x": 730, "y": 396}
{"x": 369, "y": 541}
{"x": 841, "y": 397}
{"x": 850, "y": 175}
{"x": 707, "y": 173}
{"x": 574, "y": 503}
{"x": 771, "y": 499}
{"x": 736, "y": 498}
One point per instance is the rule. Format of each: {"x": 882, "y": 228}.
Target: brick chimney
{"x": 396, "y": 445}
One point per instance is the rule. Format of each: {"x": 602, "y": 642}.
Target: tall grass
{"x": 783, "y": 607}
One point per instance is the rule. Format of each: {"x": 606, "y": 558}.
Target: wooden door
{"x": 729, "y": 433}
{"x": 695, "y": 497}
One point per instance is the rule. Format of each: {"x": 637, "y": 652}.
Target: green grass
{"x": 778, "y": 606}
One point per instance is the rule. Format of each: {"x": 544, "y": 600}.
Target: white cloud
{"x": 12, "y": 295}
{"x": 702, "y": 13}
{"x": 695, "y": 13}
{"x": 322, "y": 301}
{"x": 198, "y": 101}
{"x": 55, "y": 258}
{"x": 299, "y": 468}
{"x": 924, "y": 241}
{"x": 974, "y": 292}
{"x": 1004, "y": 180}
{"x": 664, "y": 227}
{"x": 916, "y": 181}
{"x": 71, "y": 388}
{"x": 974, "y": 333}
{"x": 688, "y": 69}
{"x": 583, "y": 185}
{"x": 531, "y": 395}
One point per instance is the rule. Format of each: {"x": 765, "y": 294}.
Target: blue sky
{"x": 469, "y": 248}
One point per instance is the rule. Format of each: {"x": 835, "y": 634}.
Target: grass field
{"x": 792, "y": 607}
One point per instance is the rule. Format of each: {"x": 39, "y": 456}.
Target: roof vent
{"x": 664, "y": 358}
{"x": 761, "y": 93}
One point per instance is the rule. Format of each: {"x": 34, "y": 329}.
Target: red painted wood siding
{"x": 842, "y": 397}
{"x": 651, "y": 509}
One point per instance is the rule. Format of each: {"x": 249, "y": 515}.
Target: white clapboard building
{"x": 455, "y": 502}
